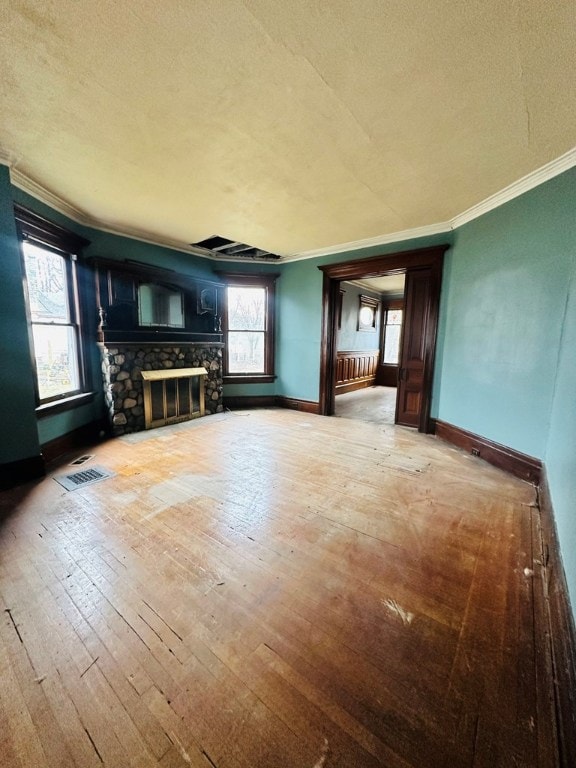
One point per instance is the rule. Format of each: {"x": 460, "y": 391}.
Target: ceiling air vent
{"x": 221, "y": 246}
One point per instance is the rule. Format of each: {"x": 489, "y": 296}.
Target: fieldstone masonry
{"x": 123, "y": 386}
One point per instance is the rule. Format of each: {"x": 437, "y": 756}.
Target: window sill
{"x": 65, "y": 404}
{"x": 249, "y": 378}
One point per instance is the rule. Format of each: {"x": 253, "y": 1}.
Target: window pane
{"x": 246, "y": 352}
{"x": 56, "y": 362}
{"x": 391, "y": 344}
{"x": 246, "y": 309}
{"x": 46, "y": 276}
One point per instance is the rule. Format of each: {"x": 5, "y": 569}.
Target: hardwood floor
{"x": 269, "y": 589}
{"x": 376, "y": 405}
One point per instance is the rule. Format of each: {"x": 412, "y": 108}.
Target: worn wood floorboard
{"x": 374, "y": 404}
{"x": 269, "y": 588}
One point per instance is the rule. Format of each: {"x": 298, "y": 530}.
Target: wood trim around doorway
{"x": 374, "y": 266}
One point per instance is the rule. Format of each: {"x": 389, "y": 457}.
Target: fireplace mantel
{"x": 124, "y": 305}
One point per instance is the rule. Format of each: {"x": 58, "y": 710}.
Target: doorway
{"x": 368, "y": 352}
{"x": 423, "y": 271}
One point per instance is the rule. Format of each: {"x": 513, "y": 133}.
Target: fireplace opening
{"x": 171, "y": 396}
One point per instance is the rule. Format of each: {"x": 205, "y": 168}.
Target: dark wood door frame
{"x": 375, "y": 266}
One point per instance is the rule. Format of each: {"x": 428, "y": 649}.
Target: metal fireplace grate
{"x": 84, "y": 477}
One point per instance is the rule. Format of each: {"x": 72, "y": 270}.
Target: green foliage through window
{"x": 54, "y": 332}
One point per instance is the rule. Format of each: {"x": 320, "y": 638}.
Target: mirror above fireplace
{"x": 160, "y": 306}
{"x": 140, "y": 303}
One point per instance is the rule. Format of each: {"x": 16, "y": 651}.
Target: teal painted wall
{"x": 349, "y": 337}
{"x": 561, "y": 445}
{"x": 298, "y": 331}
{"x": 508, "y": 338}
{"x": 17, "y": 403}
{"x": 504, "y": 294}
{"x": 108, "y": 246}
{"x": 252, "y": 390}
{"x": 51, "y": 427}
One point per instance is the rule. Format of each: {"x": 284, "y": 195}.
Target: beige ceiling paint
{"x": 387, "y": 284}
{"x": 291, "y": 126}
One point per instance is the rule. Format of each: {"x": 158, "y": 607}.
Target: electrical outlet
{"x": 475, "y": 452}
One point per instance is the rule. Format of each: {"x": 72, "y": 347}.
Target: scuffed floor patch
{"x": 405, "y": 616}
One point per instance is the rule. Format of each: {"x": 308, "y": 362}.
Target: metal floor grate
{"x": 84, "y": 477}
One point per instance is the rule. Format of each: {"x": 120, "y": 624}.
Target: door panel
{"x": 413, "y": 372}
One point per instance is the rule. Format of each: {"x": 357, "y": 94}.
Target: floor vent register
{"x": 83, "y": 478}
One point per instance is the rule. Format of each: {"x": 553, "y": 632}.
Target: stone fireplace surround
{"x": 122, "y": 364}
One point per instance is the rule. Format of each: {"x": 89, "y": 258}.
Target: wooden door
{"x": 414, "y": 373}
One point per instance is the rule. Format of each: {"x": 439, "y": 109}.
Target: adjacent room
{"x": 370, "y": 320}
{"x": 288, "y": 313}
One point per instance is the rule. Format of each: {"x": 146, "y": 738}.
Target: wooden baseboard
{"x": 307, "y": 406}
{"x": 561, "y": 630}
{"x": 387, "y": 375}
{"x": 270, "y": 401}
{"x": 76, "y": 440}
{"x": 351, "y": 386}
{"x": 240, "y": 402}
{"x": 22, "y": 471}
{"x": 518, "y": 464}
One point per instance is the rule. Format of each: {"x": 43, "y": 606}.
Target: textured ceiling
{"x": 290, "y": 126}
{"x": 387, "y": 284}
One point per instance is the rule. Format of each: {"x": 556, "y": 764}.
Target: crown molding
{"x": 517, "y": 188}
{"x": 5, "y": 158}
{"x": 370, "y": 242}
{"x": 55, "y": 202}
{"x": 49, "y": 198}
{"x": 525, "y": 184}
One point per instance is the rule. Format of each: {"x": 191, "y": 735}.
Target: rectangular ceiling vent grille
{"x": 83, "y": 478}
{"x": 221, "y": 246}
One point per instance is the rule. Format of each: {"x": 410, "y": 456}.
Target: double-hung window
{"x": 49, "y": 256}
{"x": 391, "y": 335}
{"x": 249, "y": 328}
